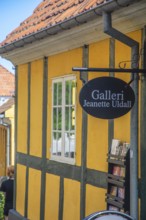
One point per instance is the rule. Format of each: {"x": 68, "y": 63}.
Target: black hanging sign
{"x": 107, "y": 97}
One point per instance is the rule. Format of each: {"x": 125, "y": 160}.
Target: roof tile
{"x": 7, "y": 82}
{"x": 49, "y": 13}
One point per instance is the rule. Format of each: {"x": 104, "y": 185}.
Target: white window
{"x": 64, "y": 119}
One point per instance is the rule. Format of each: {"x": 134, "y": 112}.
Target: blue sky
{"x": 12, "y": 13}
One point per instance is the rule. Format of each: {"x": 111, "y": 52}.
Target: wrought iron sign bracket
{"x": 117, "y": 70}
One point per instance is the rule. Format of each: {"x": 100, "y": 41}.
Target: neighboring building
{"x": 7, "y": 84}
{"x": 7, "y": 91}
{"x": 61, "y": 152}
{"x": 6, "y": 135}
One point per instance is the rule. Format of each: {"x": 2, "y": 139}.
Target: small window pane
{"x": 59, "y": 93}
{"x": 72, "y": 96}
{"x": 67, "y": 121}
{"x": 54, "y": 118}
{"x": 54, "y": 147}
{"x": 67, "y": 92}
{"x": 69, "y": 118}
{"x": 55, "y": 94}
{"x": 59, "y": 119}
{"x": 57, "y": 143}
{"x": 72, "y": 122}
{"x": 69, "y": 145}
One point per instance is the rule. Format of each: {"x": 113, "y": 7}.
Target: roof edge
{"x": 109, "y": 6}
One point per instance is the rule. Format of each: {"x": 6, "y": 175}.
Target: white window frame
{"x": 62, "y": 158}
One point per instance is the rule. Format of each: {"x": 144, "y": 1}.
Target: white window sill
{"x": 60, "y": 159}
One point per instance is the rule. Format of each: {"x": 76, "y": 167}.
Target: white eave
{"x": 76, "y": 32}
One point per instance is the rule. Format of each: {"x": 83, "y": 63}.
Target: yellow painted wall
{"x": 94, "y": 199}
{"x": 98, "y": 128}
{"x": 36, "y": 108}
{"x": 20, "y": 188}
{"x": 98, "y": 138}
{"x": 52, "y": 197}
{"x": 71, "y": 208}
{"x": 3, "y": 133}
{"x": 22, "y": 108}
{"x": 61, "y": 65}
{"x": 34, "y": 194}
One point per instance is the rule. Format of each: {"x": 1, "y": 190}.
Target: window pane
{"x": 55, "y": 94}
{"x": 70, "y": 92}
{"x": 72, "y": 145}
{"x": 69, "y": 145}
{"x": 72, "y": 96}
{"x": 59, "y": 93}
{"x": 69, "y": 118}
{"x": 54, "y": 147}
{"x": 72, "y": 122}
{"x": 67, "y": 121}
{"x": 67, "y": 92}
{"x": 57, "y": 143}
{"x": 59, "y": 119}
{"x": 54, "y": 118}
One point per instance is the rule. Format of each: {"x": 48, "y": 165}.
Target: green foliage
{"x": 2, "y": 203}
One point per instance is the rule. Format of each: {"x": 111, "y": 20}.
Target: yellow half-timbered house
{"x": 61, "y": 152}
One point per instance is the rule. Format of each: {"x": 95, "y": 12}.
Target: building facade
{"x": 61, "y": 152}
{"x": 7, "y": 89}
{"x": 7, "y": 85}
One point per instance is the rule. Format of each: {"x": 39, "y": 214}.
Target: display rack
{"x": 118, "y": 182}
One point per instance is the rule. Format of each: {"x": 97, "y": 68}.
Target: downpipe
{"x": 7, "y": 125}
{"x": 134, "y": 45}
{"x": 8, "y": 145}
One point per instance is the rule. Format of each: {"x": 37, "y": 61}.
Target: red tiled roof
{"x": 7, "y": 82}
{"x": 49, "y": 13}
